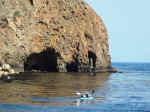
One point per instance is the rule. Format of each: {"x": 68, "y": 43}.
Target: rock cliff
{"x": 52, "y": 35}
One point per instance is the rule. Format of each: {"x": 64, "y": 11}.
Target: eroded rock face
{"x": 66, "y": 34}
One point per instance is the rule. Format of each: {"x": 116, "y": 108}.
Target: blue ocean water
{"x": 132, "y": 67}
{"x": 55, "y": 92}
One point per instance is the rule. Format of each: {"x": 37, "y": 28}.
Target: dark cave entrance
{"x": 92, "y": 59}
{"x": 43, "y": 61}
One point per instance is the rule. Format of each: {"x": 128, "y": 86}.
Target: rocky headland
{"x": 53, "y": 36}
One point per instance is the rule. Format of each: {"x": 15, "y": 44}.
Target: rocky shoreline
{"x": 6, "y": 70}
{"x": 8, "y": 74}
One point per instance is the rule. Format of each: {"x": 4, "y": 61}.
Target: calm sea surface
{"x": 55, "y": 92}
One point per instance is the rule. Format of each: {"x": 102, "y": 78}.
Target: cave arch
{"x": 43, "y": 61}
{"x": 92, "y": 59}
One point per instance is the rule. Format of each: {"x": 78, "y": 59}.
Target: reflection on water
{"x": 55, "y": 92}
{"x": 50, "y": 88}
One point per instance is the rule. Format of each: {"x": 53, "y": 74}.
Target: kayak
{"x": 87, "y": 98}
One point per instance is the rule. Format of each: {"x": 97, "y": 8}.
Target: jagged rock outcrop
{"x": 52, "y": 35}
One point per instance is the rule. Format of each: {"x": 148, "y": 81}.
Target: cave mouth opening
{"x": 92, "y": 59}
{"x": 44, "y": 61}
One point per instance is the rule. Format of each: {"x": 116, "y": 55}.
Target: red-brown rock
{"x": 52, "y": 35}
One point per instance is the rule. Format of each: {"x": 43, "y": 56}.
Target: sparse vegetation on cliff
{"x": 70, "y": 27}
{"x": 16, "y": 13}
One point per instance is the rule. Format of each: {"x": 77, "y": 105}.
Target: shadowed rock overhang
{"x": 52, "y": 35}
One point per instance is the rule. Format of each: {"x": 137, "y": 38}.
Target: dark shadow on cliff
{"x": 92, "y": 59}
{"x": 43, "y": 61}
{"x": 76, "y": 66}
{"x": 31, "y": 2}
{"x": 73, "y": 66}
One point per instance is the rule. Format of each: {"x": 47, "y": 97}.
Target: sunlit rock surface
{"x": 52, "y": 35}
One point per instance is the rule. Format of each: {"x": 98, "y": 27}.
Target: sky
{"x": 128, "y": 25}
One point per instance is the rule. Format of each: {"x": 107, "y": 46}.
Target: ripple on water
{"x": 46, "y": 92}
